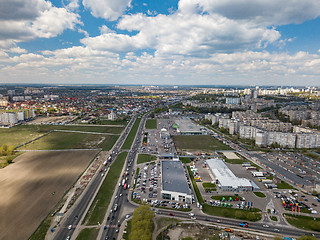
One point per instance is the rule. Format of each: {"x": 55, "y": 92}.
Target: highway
{"x": 113, "y": 222}
{"x": 77, "y": 211}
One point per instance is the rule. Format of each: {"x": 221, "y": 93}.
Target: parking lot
{"x": 148, "y": 187}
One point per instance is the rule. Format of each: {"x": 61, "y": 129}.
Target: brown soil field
{"x": 33, "y": 185}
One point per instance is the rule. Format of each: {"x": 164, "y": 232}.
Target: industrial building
{"x": 225, "y": 179}
{"x": 187, "y": 127}
{"x": 174, "y": 183}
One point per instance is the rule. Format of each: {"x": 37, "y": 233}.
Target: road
{"x": 114, "y": 220}
{"x": 77, "y": 211}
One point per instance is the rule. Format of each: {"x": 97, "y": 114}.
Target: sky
{"x": 175, "y": 42}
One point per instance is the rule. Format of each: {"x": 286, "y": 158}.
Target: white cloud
{"x": 21, "y": 21}
{"x": 107, "y": 9}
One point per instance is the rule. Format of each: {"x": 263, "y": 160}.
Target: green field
{"x": 110, "y": 122}
{"x": 151, "y": 124}
{"x": 101, "y": 202}
{"x": 185, "y": 160}
{"x": 199, "y": 142}
{"x": 71, "y": 140}
{"x": 259, "y": 194}
{"x": 284, "y": 185}
{"x": 143, "y": 158}
{"x": 250, "y": 215}
{"x": 226, "y": 197}
{"x": 208, "y": 186}
{"x": 23, "y": 133}
{"x": 3, "y": 159}
{"x": 129, "y": 140}
{"x": 235, "y": 161}
{"x": 304, "y": 222}
{"x": 88, "y": 234}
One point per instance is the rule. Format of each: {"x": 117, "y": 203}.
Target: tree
{"x": 10, "y": 150}
{"x": 307, "y": 238}
{"x": 141, "y": 224}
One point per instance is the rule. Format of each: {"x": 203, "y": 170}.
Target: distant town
{"x": 236, "y": 162}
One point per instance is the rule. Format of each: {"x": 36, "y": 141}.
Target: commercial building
{"x": 174, "y": 183}
{"x": 187, "y": 127}
{"x": 225, "y": 179}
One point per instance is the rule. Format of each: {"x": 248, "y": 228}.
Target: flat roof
{"x": 186, "y": 125}
{"x": 173, "y": 177}
{"x": 225, "y": 176}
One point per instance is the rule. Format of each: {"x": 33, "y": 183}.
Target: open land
{"x": 24, "y": 133}
{"x": 33, "y": 185}
{"x": 72, "y": 140}
{"x": 199, "y": 142}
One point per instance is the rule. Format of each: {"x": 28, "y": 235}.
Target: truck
{"x": 109, "y": 159}
{"x": 105, "y": 163}
{"x": 123, "y": 182}
{"x": 244, "y": 224}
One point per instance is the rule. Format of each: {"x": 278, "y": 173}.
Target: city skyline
{"x": 186, "y": 42}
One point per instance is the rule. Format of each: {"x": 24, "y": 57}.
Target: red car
{"x": 171, "y": 214}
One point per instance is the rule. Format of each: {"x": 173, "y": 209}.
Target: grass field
{"x": 250, "y": 215}
{"x": 33, "y": 185}
{"x": 226, "y": 197}
{"x": 201, "y": 142}
{"x": 23, "y": 133}
{"x": 101, "y": 202}
{"x": 303, "y": 222}
{"x": 274, "y": 218}
{"x": 208, "y": 186}
{"x": 235, "y": 161}
{"x": 129, "y": 140}
{"x": 284, "y": 185}
{"x": 185, "y": 160}
{"x": 259, "y": 194}
{"x": 151, "y": 124}
{"x": 3, "y": 159}
{"x": 88, "y": 234}
{"x": 67, "y": 140}
{"x": 143, "y": 158}
{"x": 110, "y": 122}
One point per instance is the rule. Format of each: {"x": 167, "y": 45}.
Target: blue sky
{"x": 228, "y": 42}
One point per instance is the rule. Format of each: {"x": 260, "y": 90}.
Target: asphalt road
{"x": 113, "y": 222}
{"x": 82, "y": 203}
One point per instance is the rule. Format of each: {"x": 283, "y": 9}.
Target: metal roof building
{"x": 225, "y": 178}
{"x": 174, "y": 183}
{"x": 187, "y": 127}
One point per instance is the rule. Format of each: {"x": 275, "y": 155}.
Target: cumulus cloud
{"x": 107, "y": 9}
{"x": 22, "y": 21}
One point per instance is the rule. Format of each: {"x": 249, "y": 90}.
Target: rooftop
{"x": 173, "y": 177}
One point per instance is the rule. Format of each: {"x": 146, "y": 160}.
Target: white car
{"x": 69, "y": 227}
{"x": 191, "y": 214}
{"x": 265, "y": 226}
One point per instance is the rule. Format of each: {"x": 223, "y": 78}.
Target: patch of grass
{"x": 67, "y": 140}
{"x": 208, "y": 186}
{"x": 4, "y": 159}
{"x": 143, "y": 158}
{"x": 165, "y": 221}
{"x": 226, "y": 198}
{"x": 88, "y": 234}
{"x": 23, "y": 133}
{"x": 303, "y": 222}
{"x": 185, "y": 160}
{"x": 235, "y": 161}
{"x": 274, "y": 218}
{"x": 129, "y": 140}
{"x": 253, "y": 214}
{"x": 151, "y": 124}
{"x": 42, "y": 230}
{"x": 110, "y": 122}
{"x": 101, "y": 202}
{"x": 201, "y": 142}
{"x": 259, "y": 194}
{"x": 284, "y": 185}
{"x": 195, "y": 186}
{"x": 128, "y": 230}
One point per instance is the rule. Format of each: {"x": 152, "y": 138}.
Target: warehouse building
{"x": 187, "y": 127}
{"x": 174, "y": 183}
{"x": 225, "y": 179}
